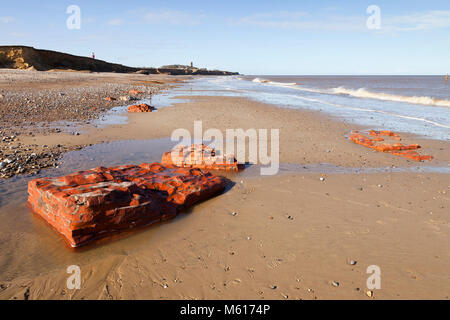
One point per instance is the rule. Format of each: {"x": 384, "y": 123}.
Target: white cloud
{"x": 301, "y": 20}
{"x": 430, "y": 20}
{"x": 173, "y": 17}
{"x": 7, "y": 19}
{"x": 115, "y": 22}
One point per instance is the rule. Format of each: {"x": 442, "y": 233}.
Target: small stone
{"x": 335, "y": 283}
{"x": 234, "y": 213}
{"x": 352, "y": 262}
{"x": 380, "y": 186}
{"x": 273, "y": 287}
{"x": 369, "y": 293}
{"x": 249, "y": 238}
{"x": 322, "y": 179}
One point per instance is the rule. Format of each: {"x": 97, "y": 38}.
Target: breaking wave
{"x": 259, "y": 80}
{"x": 363, "y": 93}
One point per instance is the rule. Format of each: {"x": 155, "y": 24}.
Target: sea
{"x": 413, "y": 104}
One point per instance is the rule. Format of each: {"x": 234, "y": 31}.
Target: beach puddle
{"x": 165, "y": 100}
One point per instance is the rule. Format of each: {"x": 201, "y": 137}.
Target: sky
{"x": 336, "y": 37}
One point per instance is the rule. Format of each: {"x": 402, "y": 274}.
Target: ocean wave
{"x": 398, "y": 115}
{"x": 364, "y": 93}
{"x": 259, "y": 80}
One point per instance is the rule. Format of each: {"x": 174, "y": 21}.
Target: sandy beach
{"x": 309, "y": 232}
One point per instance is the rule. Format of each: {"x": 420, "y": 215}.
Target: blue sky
{"x": 252, "y": 37}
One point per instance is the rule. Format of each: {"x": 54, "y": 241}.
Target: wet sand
{"x": 293, "y": 234}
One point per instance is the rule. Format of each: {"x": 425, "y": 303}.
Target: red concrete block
{"x": 134, "y": 91}
{"x": 201, "y": 157}
{"x": 141, "y": 108}
{"x": 88, "y": 205}
{"x": 398, "y": 149}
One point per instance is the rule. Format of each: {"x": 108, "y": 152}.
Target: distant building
{"x": 175, "y": 66}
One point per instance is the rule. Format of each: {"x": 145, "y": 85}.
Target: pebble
{"x": 273, "y": 287}
{"x": 353, "y": 262}
{"x": 369, "y": 294}
{"x": 335, "y": 283}
{"x": 234, "y": 214}
{"x": 322, "y": 179}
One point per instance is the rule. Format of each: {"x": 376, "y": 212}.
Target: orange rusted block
{"x": 110, "y": 99}
{"x": 202, "y": 157}
{"x": 361, "y": 139}
{"x": 398, "y": 149}
{"x": 141, "y": 108}
{"x": 88, "y": 205}
{"x": 395, "y": 147}
{"x": 386, "y": 133}
{"x": 413, "y": 155}
{"x": 134, "y": 91}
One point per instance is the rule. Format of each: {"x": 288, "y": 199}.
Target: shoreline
{"x": 307, "y": 131}
{"x": 293, "y": 235}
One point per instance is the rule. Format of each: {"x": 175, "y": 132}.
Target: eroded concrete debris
{"x": 87, "y": 205}
{"x": 378, "y": 143}
{"x": 202, "y": 157}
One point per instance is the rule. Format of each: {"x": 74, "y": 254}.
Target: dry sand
{"x": 293, "y": 234}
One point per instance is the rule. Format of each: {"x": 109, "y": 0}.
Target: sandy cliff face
{"x": 13, "y": 57}
{"x": 22, "y": 57}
